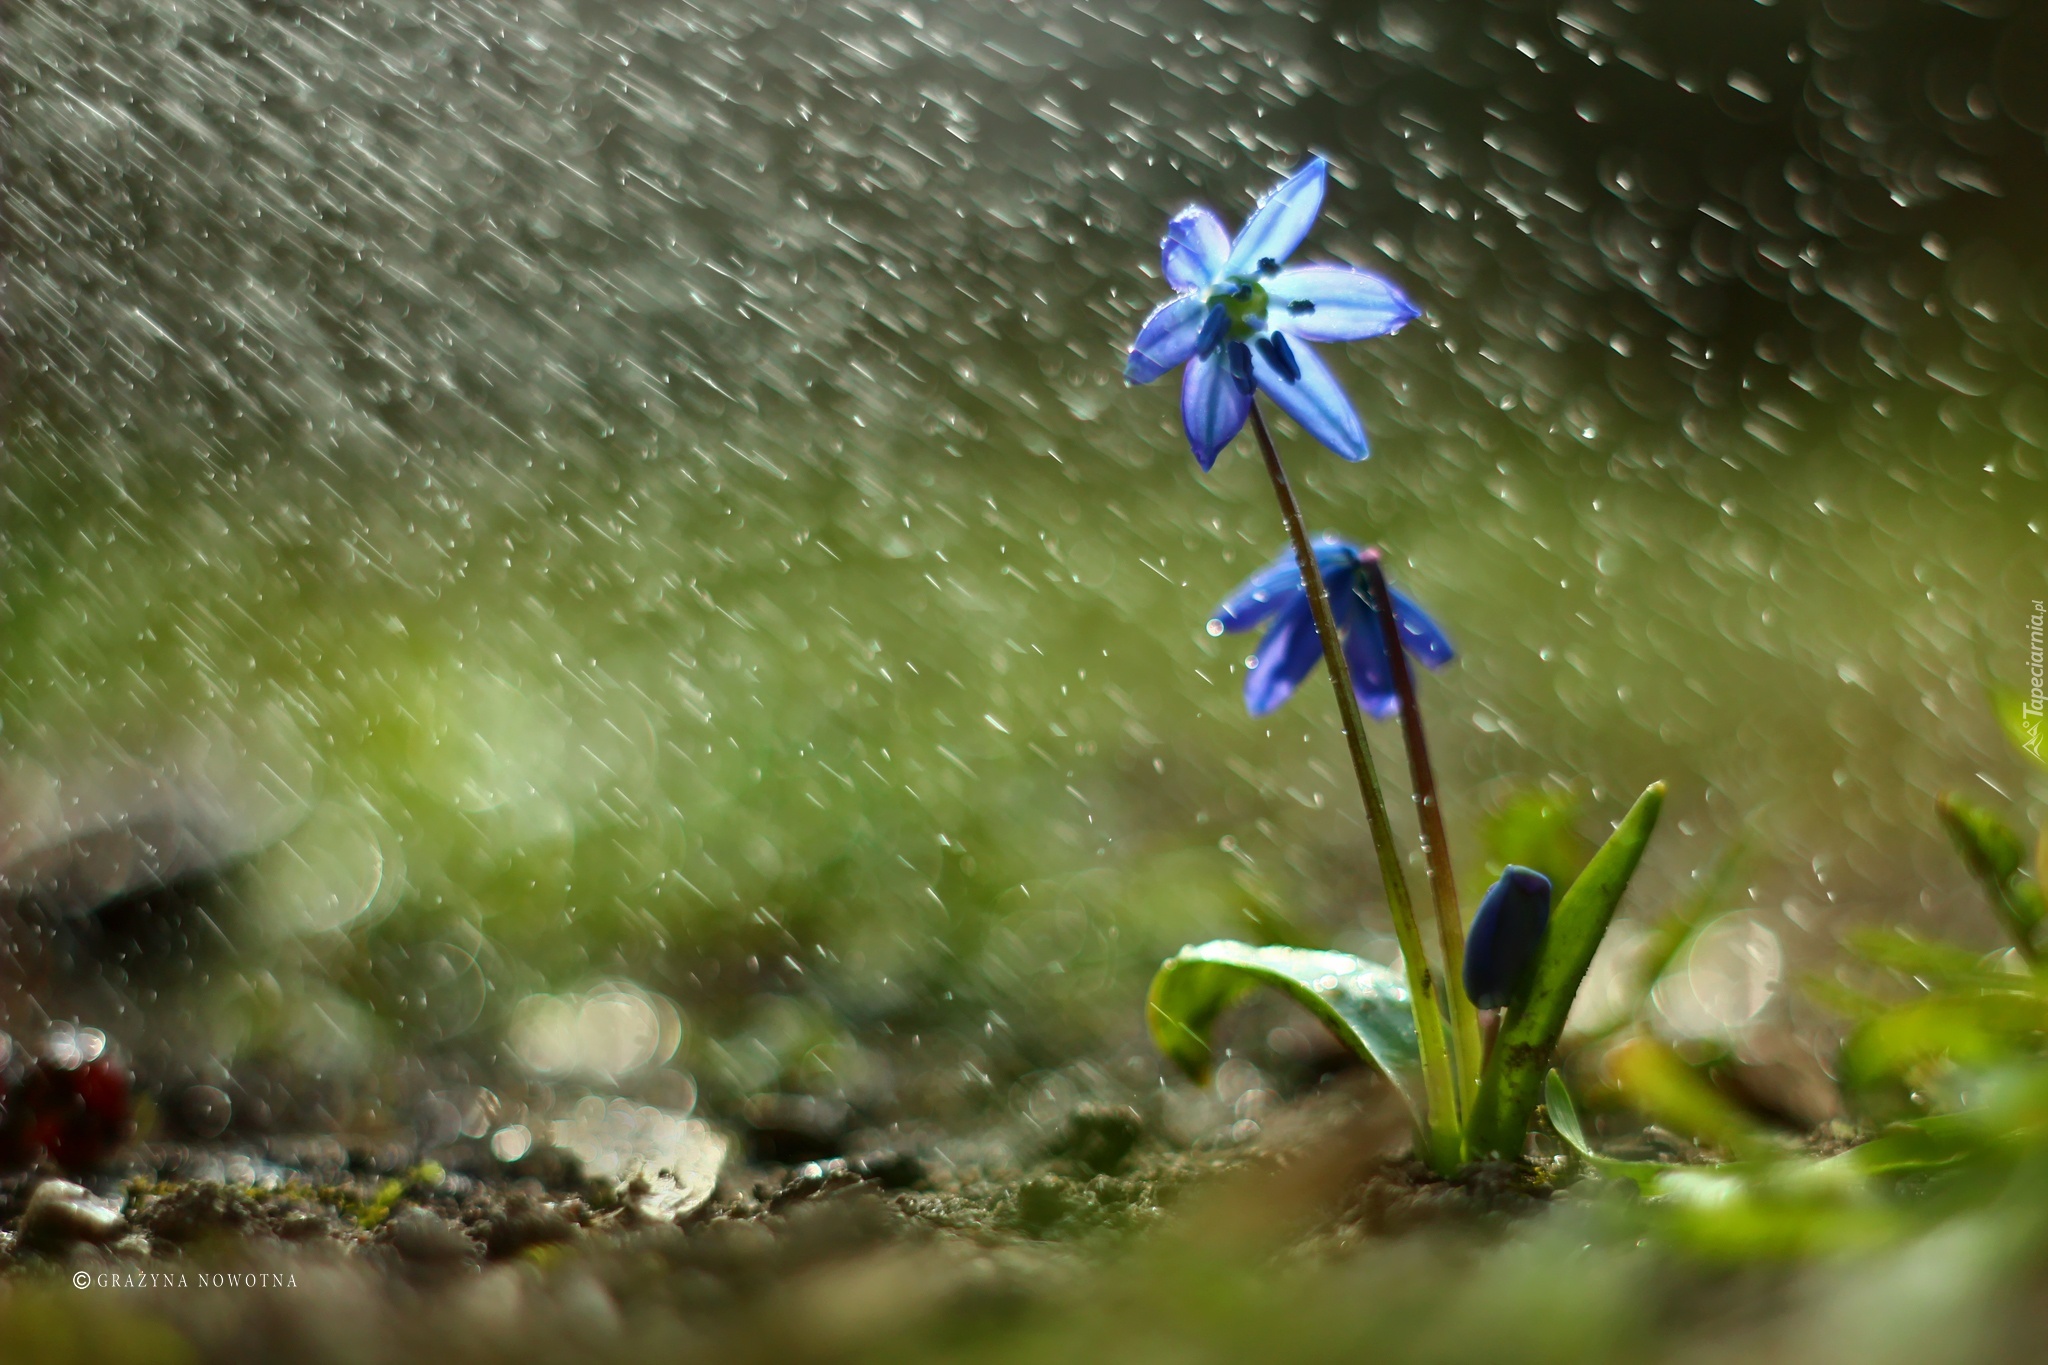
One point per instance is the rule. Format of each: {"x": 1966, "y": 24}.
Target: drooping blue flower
{"x": 1243, "y": 321}
{"x": 1505, "y": 935}
{"x": 1291, "y": 648}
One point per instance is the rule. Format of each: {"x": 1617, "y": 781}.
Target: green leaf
{"x": 2028, "y": 733}
{"x": 1997, "y": 858}
{"x": 1564, "y": 1121}
{"x": 1840, "y": 998}
{"x": 1909, "y": 1148}
{"x": 1929, "y": 961}
{"x": 1365, "y": 1004}
{"x": 1529, "y": 1034}
{"x": 1904, "y": 1149}
{"x": 1659, "y": 1084}
{"x": 1972, "y": 1029}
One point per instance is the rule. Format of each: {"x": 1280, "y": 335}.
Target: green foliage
{"x": 1564, "y": 1121}
{"x": 1997, "y": 857}
{"x": 1780, "y": 1202}
{"x": 1369, "y": 1008}
{"x": 1533, "y": 1024}
{"x": 60, "y": 1326}
{"x": 1940, "y": 964}
{"x": 2023, "y": 730}
{"x": 1364, "y": 1003}
{"x": 1973, "y": 1015}
{"x": 1662, "y": 1086}
{"x": 380, "y": 1208}
{"x": 1914, "y": 1045}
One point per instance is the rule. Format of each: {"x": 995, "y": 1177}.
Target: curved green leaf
{"x": 1660, "y": 1085}
{"x": 1997, "y": 858}
{"x": 2024, "y": 729}
{"x": 1906, "y": 1149}
{"x": 1977, "y": 1029}
{"x": 1521, "y": 1054}
{"x": 1564, "y": 1121}
{"x": 1364, "y": 1004}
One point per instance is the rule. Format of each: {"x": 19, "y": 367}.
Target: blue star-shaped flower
{"x": 1241, "y": 323}
{"x": 1291, "y": 648}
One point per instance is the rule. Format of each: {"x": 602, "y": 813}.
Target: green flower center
{"x": 1244, "y": 299}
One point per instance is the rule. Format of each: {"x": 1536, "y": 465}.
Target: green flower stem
{"x": 1466, "y": 1049}
{"x": 1439, "y": 1087}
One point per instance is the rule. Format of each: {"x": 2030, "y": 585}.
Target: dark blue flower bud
{"x": 1279, "y": 355}
{"x": 1505, "y": 936}
{"x": 1239, "y": 357}
{"x": 1214, "y": 328}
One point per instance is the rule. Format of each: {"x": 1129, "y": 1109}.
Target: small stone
{"x": 1099, "y": 1137}
{"x": 60, "y": 1213}
{"x": 300, "y": 1225}
{"x": 664, "y": 1197}
{"x": 425, "y": 1238}
{"x": 523, "y": 1221}
{"x": 892, "y": 1169}
{"x": 813, "y": 1180}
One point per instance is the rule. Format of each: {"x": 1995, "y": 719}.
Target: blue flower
{"x": 1291, "y": 648}
{"x": 1505, "y": 936}
{"x": 1241, "y": 323}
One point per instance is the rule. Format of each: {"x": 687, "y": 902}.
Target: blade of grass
{"x": 1997, "y": 858}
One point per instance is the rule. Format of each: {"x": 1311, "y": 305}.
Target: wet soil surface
{"x": 461, "y": 1250}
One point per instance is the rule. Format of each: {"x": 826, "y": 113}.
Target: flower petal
{"x": 1237, "y": 358}
{"x": 1194, "y": 249}
{"x": 1212, "y": 408}
{"x": 1259, "y": 596}
{"x": 1332, "y": 302}
{"x": 1273, "y": 587}
{"x": 1334, "y": 555}
{"x": 1280, "y": 221}
{"x": 1419, "y": 634}
{"x": 1289, "y": 652}
{"x": 1372, "y": 679}
{"x": 1316, "y": 401}
{"x": 1167, "y": 339}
